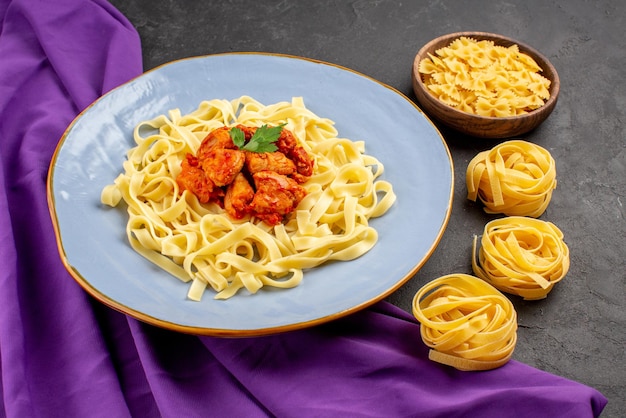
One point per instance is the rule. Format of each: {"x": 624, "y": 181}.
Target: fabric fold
{"x": 54, "y": 359}
{"x": 374, "y": 364}
{"x": 63, "y": 354}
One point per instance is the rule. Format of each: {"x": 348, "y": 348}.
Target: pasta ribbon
{"x": 200, "y": 244}
{"x": 515, "y": 178}
{"x": 521, "y": 256}
{"x": 485, "y": 79}
{"x": 467, "y": 323}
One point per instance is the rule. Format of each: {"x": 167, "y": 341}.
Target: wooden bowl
{"x": 476, "y": 125}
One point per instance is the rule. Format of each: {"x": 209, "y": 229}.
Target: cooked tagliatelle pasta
{"x": 522, "y": 256}
{"x": 201, "y": 244}
{"x": 467, "y": 323}
{"x": 515, "y": 178}
{"x": 485, "y": 79}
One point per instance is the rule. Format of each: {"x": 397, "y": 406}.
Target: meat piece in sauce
{"x": 222, "y": 165}
{"x": 238, "y": 196}
{"x": 220, "y": 139}
{"x": 288, "y": 145}
{"x": 269, "y": 161}
{"x": 276, "y": 196}
{"x": 193, "y": 178}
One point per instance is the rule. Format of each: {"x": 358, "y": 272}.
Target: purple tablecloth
{"x": 64, "y": 354}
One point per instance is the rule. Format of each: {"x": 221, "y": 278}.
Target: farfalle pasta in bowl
{"x": 485, "y": 85}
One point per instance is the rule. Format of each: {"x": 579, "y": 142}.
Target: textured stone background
{"x": 579, "y": 331}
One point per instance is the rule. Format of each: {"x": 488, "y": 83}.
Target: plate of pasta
{"x": 359, "y": 180}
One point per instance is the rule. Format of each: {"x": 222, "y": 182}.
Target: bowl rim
{"x": 546, "y": 66}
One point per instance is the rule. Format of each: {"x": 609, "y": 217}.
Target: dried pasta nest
{"x": 515, "y": 178}
{"x": 522, "y": 256}
{"x": 467, "y": 323}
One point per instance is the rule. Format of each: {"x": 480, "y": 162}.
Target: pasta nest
{"x": 515, "y": 178}
{"x": 521, "y": 256}
{"x": 467, "y": 323}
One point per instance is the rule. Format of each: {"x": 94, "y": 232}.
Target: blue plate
{"x": 92, "y": 239}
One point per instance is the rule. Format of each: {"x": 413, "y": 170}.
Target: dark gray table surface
{"x": 579, "y": 331}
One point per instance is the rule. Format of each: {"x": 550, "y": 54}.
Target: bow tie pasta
{"x": 485, "y": 79}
